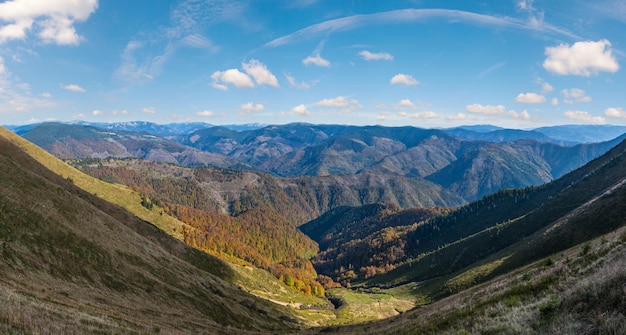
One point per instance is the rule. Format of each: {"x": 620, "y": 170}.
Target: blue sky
{"x": 511, "y": 63}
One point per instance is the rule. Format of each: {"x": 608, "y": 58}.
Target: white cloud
{"x": 251, "y": 108}
{"x": 254, "y": 69}
{"x": 53, "y": 21}
{"x": 582, "y": 58}
{"x": 458, "y": 117}
{"x": 485, "y": 109}
{"x": 554, "y": 102}
{"x": 524, "y": 115}
{"x": 339, "y": 101}
{"x": 584, "y": 117}
{"x": 233, "y": 77}
{"x": 615, "y": 112}
{"x": 120, "y": 112}
{"x": 260, "y": 73}
{"x": 347, "y": 105}
{"x": 316, "y": 60}
{"x": 301, "y": 110}
{"x": 530, "y": 98}
{"x": 375, "y": 56}
{"x": 149, "y": 110}
{"x": 404, "y": 79}
{"x": 406, "y": 103}
{"x": 97, "y": 112}
{"x": 424, "y": 115}
{"x": 382, "y": 116}
{"x": 205, "y": 113}
{"x": 46, "y": 95}
{"x": 575, "y": 95}
{"x": 74, "y": 88}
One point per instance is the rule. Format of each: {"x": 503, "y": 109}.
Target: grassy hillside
{"x": 114, "y": 193}
{"x": 71, "y": 262}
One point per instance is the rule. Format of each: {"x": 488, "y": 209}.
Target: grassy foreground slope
{"x": 71, "y": 262}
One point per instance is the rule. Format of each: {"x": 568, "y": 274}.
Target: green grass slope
{"x": 71, "y": 262}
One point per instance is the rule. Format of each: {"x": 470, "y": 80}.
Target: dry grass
{"x": 579, "y": 291}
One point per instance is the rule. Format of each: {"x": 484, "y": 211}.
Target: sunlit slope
{"x": 72, "y": 262}
{"x": 115, "y": 193}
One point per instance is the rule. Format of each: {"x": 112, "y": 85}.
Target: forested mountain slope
{"x": 519, "y": 226}
{"x": 74, "y": 263}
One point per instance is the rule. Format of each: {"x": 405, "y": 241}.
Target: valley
{"x": 310, "y": 229}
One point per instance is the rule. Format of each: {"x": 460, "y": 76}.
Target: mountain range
{"x": 465, "y": 162}
{"x": 539, "y": 259}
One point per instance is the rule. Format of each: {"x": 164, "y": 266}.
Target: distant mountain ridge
{"x": 471, "y": 166}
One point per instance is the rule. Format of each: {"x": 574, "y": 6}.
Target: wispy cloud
{"x": 315, "y": 58}
{"x": 17, "y": 97}
{"x": 74, "y": 88}
{"x": 493, "y": 68}
{"x": 147, "y": 69}
{"x": 188, "y": 22}
{"x": 575, "y": 95}
{"x": 299, "y": 85}
{"x": 413, "y": 15}
{"x": 367, "y": 55}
